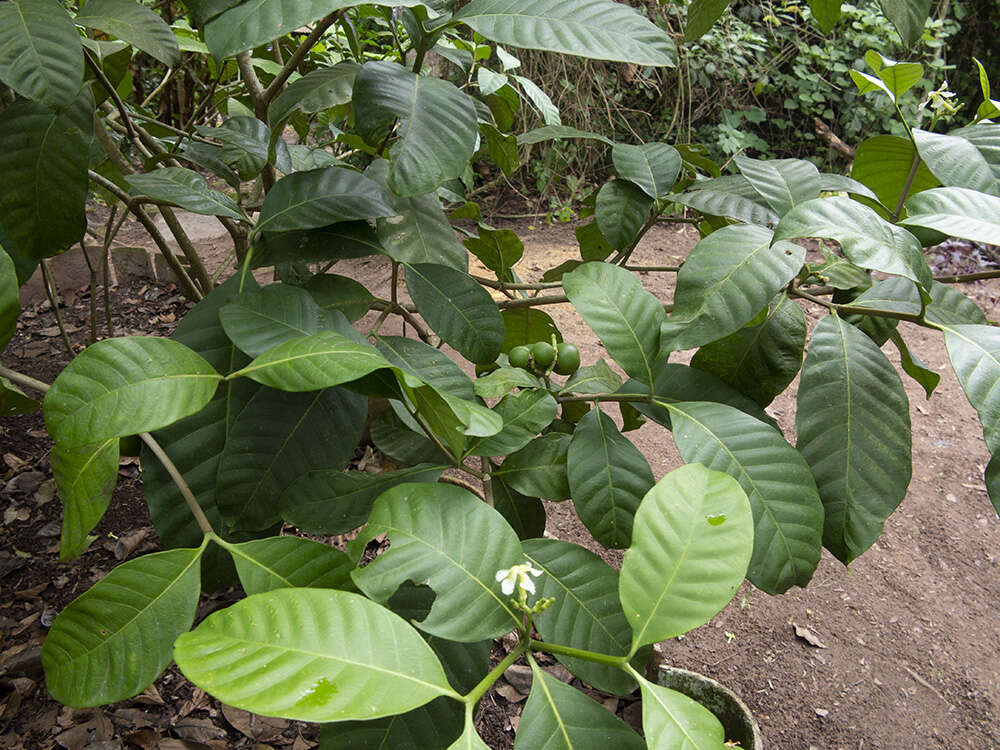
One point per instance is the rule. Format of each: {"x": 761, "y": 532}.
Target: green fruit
{"x": 567, "y": 359}
{"x": 543, "y": 354}
{"x": 520, "y": 356}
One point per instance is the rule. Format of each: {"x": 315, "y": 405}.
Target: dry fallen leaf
{"x": 808, "y": 636}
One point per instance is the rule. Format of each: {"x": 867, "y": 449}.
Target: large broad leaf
{"x": 436, "y": 125}
{"x": 866, "y": 238}
{"x": 826, "y": 13}
{"x": 701, "y": 16}
{"x": 732, "y": 197}
{"x": 956, "y": 162}
{"x": 44, "y": 154}
{"x": 526, "y": 326}
{"x": 762, "y": 358}
{"x": 787, "y": 511}
{"x": 431, "y": 365}
{"x": 347, "y": 239}
{"x": 86, "y": 477}
{"x": 132, "y": 23}
{"x": 985, "y": 136}
{"x": 124, "y": 386}
{"x": 625, "y": 316}
{"x": 558, "y": 132}
{"x": 957, "y": 212}
{"x": 14, "y": 401}
{"x": 728, "y": 278}
{"x": 974, "y": 351}
{"x": 853, "y": 425}
{"x": 652, "y": 166}
{"x": 883, "y": 164}
{"x": 992, "y": 478}
{"x": 447, "y": 538}
{"x": 947, "y": 306}
{"x": 288, "y": 562}
{"x": 403, "y": 441}
{"x": 673, "y": 721}
{"x": 783, "y": 183}
{"x": 10, "y": 305}
{"x": 245, "y": 142}
{"x": 319, "y": 90}
{"x": 620, "y": 211}
{"x": 599, "y": 29}
{"x": 586, "y": 612}
{"x": 458, "y": 309}
{"x": 908, "y": 16}
{"x": 526, "y": 515}
{"x": 306, "y": 200}
{"x": 340, "y": 293}
{"x": 690, "y": 550}
{"x": 309, "y": 654}
{"x": 140, "y": 607}
{"x": 328, "y": 501}
{"x": 40, "y": 53}
{"x": 608, "y": 477}
{"x": 186, "y": 189}
{"x": 276, "y": 439}
{"x": 433, "y": 726}
{"x": 498, "y": 249}
{"x": 525, "y": 414}
{"x": 559, "y": 716}
{"x": 538, "y": 469}
{"x": 451, "y": 419}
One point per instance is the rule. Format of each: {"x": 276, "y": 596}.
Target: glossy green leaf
{"x": 974, "y": 351}
{"x": 340, "y": 293}
{"x": 304, "y": 200}
{"x": 526, "y": 326}
{"x": 279, "y": 562}
{"x": 595, "y": 378}
{"x": 124, "y": 386}
{"x": 593, "y": 246}
{"x": 652, "y": 166}
{"x": 586, "y": 613}
{"x": 347, "y": 239}
{"x": 728, "y": 278}
{"x": 308, "y": 654}
{"x": 787, "y": 511}
{"x": 782, "y": 183}
{"x": 526, "y": 515}
{"x": 245, "y": 143}
{"x": 625, "y": 316}
{"x": 40, "y": 54}
{"x": 866, "y": 239}
{"x": 992, "y": 478}
{"x": 140, "y": 607}
{"x": 598, "y": 29}
{"x": 759, "y": 360}
{"x": 452, "y": 419}
{"x": 956, "y": 162}
{"x": 86, "y": 477}
{"x": 690, "y": 550}
{"x": 430, "y": 365}
{"x": 183, "y": 188}
{"x": 899, "y": 77}
{"x": 458, "y": 309}
{"x": 447, "y": 538}
{"x": 497, "y": 249}
{"x": 502, "y": 381}
{"x": 502, "y": 147}
{"x": 277, "y": 438}
{"x": 316, "y": 91}
{"x": 958, "y": 212}
{"x": 853, "y": 425}
{"x": 10, "y": 305}
{"x": 673, "y": 721}
{"x": 947, "y": 306}
{"x": 559, "y": 716}
{"x": 908, "y": 16}
{"x": 525, "y": 414}
{"x": 985, "y": 136}
{"x": 620, "y": 211}
{"x": 883, "y": 164}
{"x": 838, "y": 183}
{"x": 538, "y": 469}
{"x": 608, "y": 477}
{"x": 701, "y": 16}
{"x": 470, "y": 739}
{"x": 401, "y": 438}
{"x": 133, "y": 23}
{"x": 433, "y": 726}
{"x": 914, "y": 367}
{"x": 13, "y": 401}
{"x": 826, "y": 13}
{"x": 731, "y": 197}
{"x": 47, "y": 151}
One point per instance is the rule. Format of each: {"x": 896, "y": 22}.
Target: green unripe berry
{"x": 543, "y": 354}
{"x": 567, "y": 358}
{"x": 520, "y": 356}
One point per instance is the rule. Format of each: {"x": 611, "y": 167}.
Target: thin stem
{"x": 637, "y": 398}
{"x": 968, "y": 277}
{"x": 503, "y": 286}
{"x": 555, "y": 648}
{"x": 21, "y": 379}
{"x": 484, "y": 464}
{"x": 103, "y": 79}
{"x": 486, "y": 683}
{"x": 189, "y": 498}
{"x": 93, "y": 289}
{"x": 298, "y": 56}
{"x": 167, "y": 78}
{"x": 914, "y": 166}
{"x": 552, "y": 299}
{"x": 653, "y": 269}
{"x": 874, "y": 312}
{"x": 52, "y": 292}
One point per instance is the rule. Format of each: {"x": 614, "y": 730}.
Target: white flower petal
{"x": 501, "y": 574}
{"x": 507, "y": 587}
{"x": 527, "y": 584}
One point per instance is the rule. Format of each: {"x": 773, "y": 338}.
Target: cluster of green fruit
{"x": 541, "y": 358}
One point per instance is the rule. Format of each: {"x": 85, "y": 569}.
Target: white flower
{"x": 517, "y": 576}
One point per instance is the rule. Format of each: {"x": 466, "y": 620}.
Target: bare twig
{"x": 53, "y": 294}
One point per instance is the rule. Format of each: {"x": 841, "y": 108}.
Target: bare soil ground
{"x": 896, "y": 652}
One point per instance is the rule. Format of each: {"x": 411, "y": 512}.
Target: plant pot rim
{"x": 747, "y": 718}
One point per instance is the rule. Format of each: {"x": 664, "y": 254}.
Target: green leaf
{"x": 308, "y": 654}
{"x": 673, "y": 721}
{"x": 620, "y": 212}
{"x": 826, "y": 13}
{"x": 956, "y": 162}
{"x": 13, "y": 401}
{"x": 733, "y": 197}
{"x": 502, "y": 148}
{"x": 538, "y": 469}
{"x": 652, "y": 166}
{"x": 124, "y": 386}
{"x": 40, "y": 53}
{"x": 458, "y": 309}
{"x": 866, "y": 239}
{"x": 974, "y": 351}
{"x": 502, "y": 381}
{"x": 453, "y": 419}
{"x": 316, "y": 91}
{"x": 701, "y": 16}
{"x": 787, "y": 511}
{"x": 986, "y": 138}
{"x": 348, "y": 239}
{"x": 947, "y": 306}
{"x": 625, "y": 316}
{"x": 436, "y": 125}
{"x": 690, "y": 550}
{"x": 598, "y": 29}
{"x": 548, "y": 111}
{"x": 526, "y": 515}
{"x": 430, "y": 365}
{"x": 608, "y": 477}
{"x": 783, "y": 183}
{"x": 899, "y": 77}
{"x": 759, "y": 360}
{"x": 10, "y": 305}
{"x": 470, "y": 739}
{"x": 908, "y": 16}
{"x": 329, "y": 502}
{"x": 140, "y": 607}
{"x": 559, "y": 716}
{"x": 525, "y": 414}
{"x": 305, "y": 200}
{"x": 838, "y": 183}
{"x": 245, "y": 143}
{"x": 44, "y": 154}
{"x": 287, "y": 562}
{"x": 883, "y": 163}
{"x": 276, "y": 439}
{"x": 433, "y": 726}
{"x": 853, "y": 425}
{"x": 497, "y": 249}
{"x": 184, "y": 188}
{"x": 595, "y": 378}
{"x": 447, "y": 538}
{"x": 558, "y": 132}
{"x": 992, "y": 478}
{"x": 593, "y": 246}
{"x": 728, "y": 278}
{"x": 132, "y": 23}
{"x": 914, "y": 367}
{"x": 526, "y": 326}
{"x": 956, "y": 211}
{"x": 341, "y": 294}
{"x": 586, "y": 613}
{"x": 86, "y": 477}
